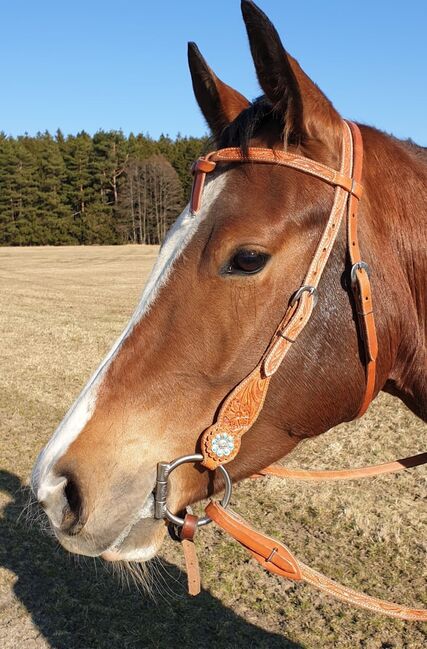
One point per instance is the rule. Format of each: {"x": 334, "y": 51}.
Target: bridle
{"x": 220, "y": 443}
{"x": 243, "y": 405}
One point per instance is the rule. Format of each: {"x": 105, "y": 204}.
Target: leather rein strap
{"x": 343, "y": 474}
{"x": 220, "y": 443}
{"x": 277, "y": 558}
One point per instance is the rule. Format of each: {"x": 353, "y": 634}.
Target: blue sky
{"x": 100, "y": 64}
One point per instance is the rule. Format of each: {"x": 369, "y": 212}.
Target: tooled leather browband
{"x": 220, "y": 443}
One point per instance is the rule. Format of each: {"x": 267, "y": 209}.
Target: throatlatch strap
{"x": 360, "y": 281}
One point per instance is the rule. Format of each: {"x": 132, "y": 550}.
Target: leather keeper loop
{"x": 206, "y": 166}
{"x": 189, "y": 528}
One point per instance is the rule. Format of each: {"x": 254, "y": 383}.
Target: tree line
{"x": 100, "y": 189}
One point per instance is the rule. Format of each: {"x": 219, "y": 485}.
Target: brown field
{"x": 60, "y": 310}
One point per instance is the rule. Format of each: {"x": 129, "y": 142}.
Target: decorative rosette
{"x": 222, "y": 444}
{"x": 218, "y": 446}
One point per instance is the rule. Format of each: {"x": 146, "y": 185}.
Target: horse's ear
{"x": 219, "y": 103}
{"x": 306, "y": 110}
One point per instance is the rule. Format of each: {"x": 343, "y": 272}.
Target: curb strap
{"x": 220, "y": 443}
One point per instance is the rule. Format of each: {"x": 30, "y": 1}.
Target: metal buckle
{"x": 355, "y": 268}
{"x": 310, "y": 289}
{"x": 164, "y": 469}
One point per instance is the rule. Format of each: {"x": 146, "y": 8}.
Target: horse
{"x": 225, "y": 274}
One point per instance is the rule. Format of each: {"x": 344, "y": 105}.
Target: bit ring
{"x": 164, "y": 469}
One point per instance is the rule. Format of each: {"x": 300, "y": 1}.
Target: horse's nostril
{"x": 72, "y": 521}
{"x": 72, "y": 495}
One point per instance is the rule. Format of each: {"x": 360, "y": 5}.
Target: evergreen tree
{"x": 78, "y": 190}
{"x": 18, "y": 189}
{"x": 53, "y": 219}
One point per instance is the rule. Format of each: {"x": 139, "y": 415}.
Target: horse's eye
{"x": 247, "y": 262}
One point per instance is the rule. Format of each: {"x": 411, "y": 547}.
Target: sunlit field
{"x": 61, "y": 309}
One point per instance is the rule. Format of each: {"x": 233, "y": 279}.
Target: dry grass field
{"x": 60, "y": 310}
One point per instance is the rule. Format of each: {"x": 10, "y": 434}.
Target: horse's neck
{"x": 395, "y": 177}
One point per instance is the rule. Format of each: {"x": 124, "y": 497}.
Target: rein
{"x": 220, "y": 443}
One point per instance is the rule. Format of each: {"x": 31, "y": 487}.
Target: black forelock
{"x": 249, "y": 124}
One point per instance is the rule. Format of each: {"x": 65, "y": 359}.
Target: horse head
{"x": 221, "y": 283}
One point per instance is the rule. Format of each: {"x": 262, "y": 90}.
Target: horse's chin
{"x": 139, "y": 540}
{"x": 142, "y": 543}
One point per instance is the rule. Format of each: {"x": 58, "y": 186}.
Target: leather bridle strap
{"x": 277, "y": 558}
{"x": 284, "y": 158}
{"x": 187, "y": 534}
{"x": 343, "y": 474}
{"x": 220, "y": 443}
{"x": 359, "y": 276}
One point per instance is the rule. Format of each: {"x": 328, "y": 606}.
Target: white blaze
{"x": 81, "y": 411}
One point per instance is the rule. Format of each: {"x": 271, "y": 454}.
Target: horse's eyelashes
{"x": 246, "y": 262}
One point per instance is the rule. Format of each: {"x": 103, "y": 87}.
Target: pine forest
{"x": 101, "y": 189}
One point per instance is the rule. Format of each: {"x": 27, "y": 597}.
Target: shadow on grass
{"x": 81, "y": 606}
